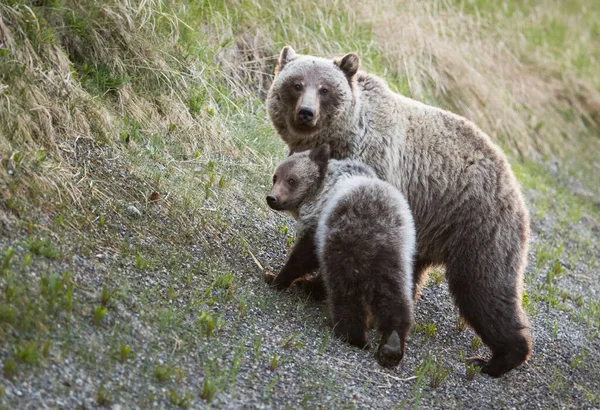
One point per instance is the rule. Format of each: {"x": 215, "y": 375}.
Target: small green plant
{"x": 102, "y": 397}
{"x": 27, "y": 260}
{"x": 325, "y": 341}
{"x": 242, "y": 307}
{"x": 99, "y": 313}
{"x": 106, "y": 296}
{"x": 437, "y": 276}
{"x": 475, "y": 343}
{"x": 429, "y": 329}
{"x": 46, "y": 349}
{"x": 57, "y": 291}
{"x": 43, "y": 247}
{"x": 163, "y": 373}
{"x": 7, "y": 314}
{"x": 256, "y": 346}
{"x": 207, "y": 323}
{"x": 557, "y": 268}
{"x": 274, "y": 362}
{"x": 579, "y": 361}
{"x": 471, "y": 371}
{"x": 9, "y": 292}
{"x": 58, "y": 220}
{"x": 124, "y": 352}
{"x": 436, "y": 372}
{"x": 8, "y": 255}
{"x": 140, "y": 262}
{"x": 461, "y": 324}
{"x": 209, "y": 389}
{"x": 10, "y": 369}
{"x": 223, "y": 281}
{"x": 183, "y": 401}
{"x": 28, "y": 353}
{"x": 292, "y": 342}
{"x": 558, "y": 381}
{"x": 554, "y": 328}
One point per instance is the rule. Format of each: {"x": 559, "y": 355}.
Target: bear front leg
{"x": 302, "y": 260}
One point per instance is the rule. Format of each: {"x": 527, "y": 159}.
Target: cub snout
{"x": 272, "y": 201}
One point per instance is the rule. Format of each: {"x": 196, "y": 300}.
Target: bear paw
{"x": 391, "y": 353}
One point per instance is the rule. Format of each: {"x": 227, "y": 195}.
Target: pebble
{"x": 133, "y": 211}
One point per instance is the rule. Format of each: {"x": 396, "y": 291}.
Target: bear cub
{"x": 359, "y": 231}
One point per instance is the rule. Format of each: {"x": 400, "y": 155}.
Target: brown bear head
{"x": 310, "y": 94}
{"x": 298, "y": 178}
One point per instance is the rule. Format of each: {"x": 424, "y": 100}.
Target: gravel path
{"x": 271, "y": 350}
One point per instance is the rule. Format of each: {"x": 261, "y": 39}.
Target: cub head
{"x": 310, "y": 94}
{"x": 298, "y": 178}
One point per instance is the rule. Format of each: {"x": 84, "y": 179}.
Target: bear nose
{"x": 306, "y": 114}
{"x": 271, "y": 200}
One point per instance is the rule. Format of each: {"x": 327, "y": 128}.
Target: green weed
{"x": 8, "y": 255}
{"x": 183, "y": 401}
{"x": 275, "y": 362}
{"x": 103, "y": 397}
{"x": 292, "y": 342}
{"x": 207, "y": 323}
{"x": 471, "y": 371}
{"x": 124, "y": 352}
{"x": 209, "y": 389}
{"x": 28, "y": 353}
{"x": 434, "y": 371}
{"x": 99, "y": 314}
{"x": 10, "y": 369}
{"x": 164, "y": 373}
{"x": 43, "y": 247}
{"x": 430, "y": 329}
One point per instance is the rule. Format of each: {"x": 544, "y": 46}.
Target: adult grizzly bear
{"x": 365, "y": 244}
{"x": 468, "y": 210}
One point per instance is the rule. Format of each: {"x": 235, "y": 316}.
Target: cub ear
{"x": 287, "y": 54}
{"x": 349, "y": 64}
{"x": 321, "y": 155}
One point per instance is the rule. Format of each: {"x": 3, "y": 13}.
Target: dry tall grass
{"x": 484, "y": 67}
{"x": 192, "y": 74}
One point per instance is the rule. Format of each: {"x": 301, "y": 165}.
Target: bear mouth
{"x": 304, "y": 127}
{"x": 275, "y": 206}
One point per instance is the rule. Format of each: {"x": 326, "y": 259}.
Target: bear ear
{"x": 349, "y": 64}
{"x": 321, "y": 155}
{"x": 287, "y": 54}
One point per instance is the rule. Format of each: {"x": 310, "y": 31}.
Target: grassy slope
{"x": 157, "y": 106}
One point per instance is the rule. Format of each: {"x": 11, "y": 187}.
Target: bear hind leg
{"x": 394, "y": 321}
{"x": 349, "y": 318}
{"x": 493, "y": 310}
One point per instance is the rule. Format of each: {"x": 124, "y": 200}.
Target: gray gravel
{"x": 157, "y": 310}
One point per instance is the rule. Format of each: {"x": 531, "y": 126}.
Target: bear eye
{"x": 274, "y": 178}
{"x": 323, "y": 91}
{"x": 291, "y": 181}
{"x": 297, "y": 87}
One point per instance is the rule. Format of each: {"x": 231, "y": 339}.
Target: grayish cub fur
{"x": 467, "y": 207}
{"x": 364, "y": 238}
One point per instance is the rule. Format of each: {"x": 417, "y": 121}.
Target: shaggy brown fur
{"x": 467, "y": 206}
{"x": 363, "y": 234}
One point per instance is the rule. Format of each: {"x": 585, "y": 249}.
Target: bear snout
{"x": 272, "y": 201}
{"x": 305, "y": 114}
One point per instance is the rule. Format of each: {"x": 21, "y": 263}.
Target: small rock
{"x": 133, "y": 211}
